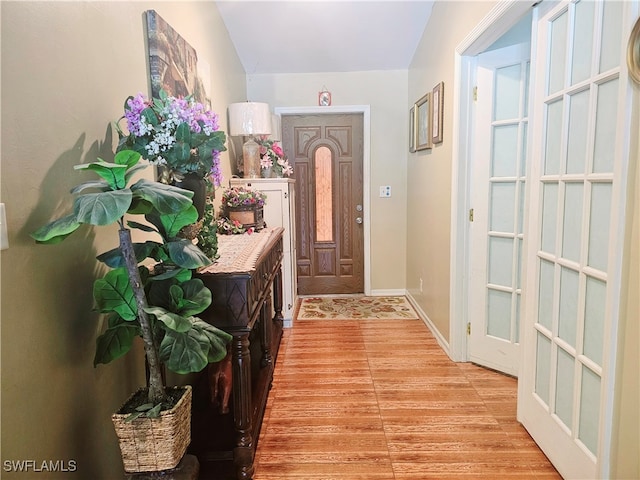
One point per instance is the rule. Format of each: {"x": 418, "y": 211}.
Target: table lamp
{"x": 250, "y": 119}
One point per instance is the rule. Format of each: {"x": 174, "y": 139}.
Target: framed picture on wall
{"x": 422, "y": 116}
{"x": 412, "y": 129}
{"x": 173, "y": 63}
{"x": 437, "y": 111}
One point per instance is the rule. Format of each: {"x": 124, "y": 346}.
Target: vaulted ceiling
{"x": 331, "y": 36}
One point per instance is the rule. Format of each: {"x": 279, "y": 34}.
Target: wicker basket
{"x": 248, "y": 216}
{"x": 153, "y": 444}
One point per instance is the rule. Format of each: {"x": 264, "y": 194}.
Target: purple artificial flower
{"x": 135, "y": 122}
{"x": 216, "y": 171}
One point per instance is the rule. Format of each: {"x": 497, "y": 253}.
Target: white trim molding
{"x": 427, "y": 321}
{"x": 495, "y": 24}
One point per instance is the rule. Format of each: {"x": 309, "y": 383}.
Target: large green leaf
{"x": 128, "y": 158}
{"x": 165, "y": 290}
{"x": 165, "y": 198}
{"x": 150, "y": 116}
{"x": 182, "y": 352}
{"x": 179, "y": 274}
{"x": 115, "y": 342}
{"x": 186, "y": 255}
{"x": 175, "y": 222}
{"x": 102, "y": 208}
{"x": 114, "y": 174}
{"x": 216, "y": 339}
{"x": 133, "y": 170}
{"x": 97, "y": 184}
{"x": 182, "y": 152}
{"x": 216, "y": 141}
{"x": 176, "y": 294}
{"x": 141, "y": 226}
{"x": 173, "y": 321}
{"x": 56, "y": 231}
{"x": 205, "y": 155}
{"x": 196, "y": 298}
{"x": 183, "y": 133}
{"x": 113, "y": 293}
{"x": 139, "y": 206}
{"x": 114, "y": 259}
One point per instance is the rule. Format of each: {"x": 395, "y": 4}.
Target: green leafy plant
{"x": 208, "y": 234}
{"x": 159, "y": 303}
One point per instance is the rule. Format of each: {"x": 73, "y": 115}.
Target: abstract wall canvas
{"x": 173, "y": 63}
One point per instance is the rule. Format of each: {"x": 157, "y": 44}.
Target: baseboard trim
{"x": 388, "y": 293}
{"x": 425, "y": 318}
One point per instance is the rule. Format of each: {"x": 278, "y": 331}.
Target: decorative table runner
{"x": 238, "y": 253}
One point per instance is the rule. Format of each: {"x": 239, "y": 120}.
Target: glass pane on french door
{"x": 573, "y": 252}
{"x": 506, "y": 201}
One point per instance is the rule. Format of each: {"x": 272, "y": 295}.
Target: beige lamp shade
{"x": 249, "y": 118}
{"x": 276, "y": 133}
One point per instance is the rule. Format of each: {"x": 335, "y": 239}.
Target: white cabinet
{"x": 279, "y": 211}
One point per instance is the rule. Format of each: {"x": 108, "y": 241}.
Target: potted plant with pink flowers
{"x": 273, "y": 162}
{"x": 245, "y": 206}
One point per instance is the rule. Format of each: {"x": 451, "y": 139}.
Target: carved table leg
{"x": 277, "y": 295}
{"x": 243, "y": 453}
{"x": 265, "y": 333}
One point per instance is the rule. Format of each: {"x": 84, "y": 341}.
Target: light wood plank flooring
{"x": 374, "y": 400}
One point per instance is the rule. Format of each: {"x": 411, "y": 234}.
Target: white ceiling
{"x": 307, "y": 36}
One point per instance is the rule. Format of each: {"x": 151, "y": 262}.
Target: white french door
{"x": 580, "y": 137}
{"x": 498, "y": 192}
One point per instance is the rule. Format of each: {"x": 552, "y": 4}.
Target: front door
{"x": 580, "y": 137}
{"x": 327, "y": 155}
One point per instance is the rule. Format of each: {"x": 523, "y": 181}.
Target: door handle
{"x": 358, "y": 219}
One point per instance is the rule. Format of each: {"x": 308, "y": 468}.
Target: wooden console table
{"x": 246, "y": 286}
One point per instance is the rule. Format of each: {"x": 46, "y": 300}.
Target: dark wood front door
{"x": 327, "y": 155}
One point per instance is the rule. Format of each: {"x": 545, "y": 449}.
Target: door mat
{"x": 355, "y": 308}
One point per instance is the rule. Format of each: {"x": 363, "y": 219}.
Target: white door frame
{"x": 495, "y": 24}
{"x": 366, "y": 168}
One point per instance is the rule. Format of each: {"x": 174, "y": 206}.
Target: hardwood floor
{"x": 373, "y": 400}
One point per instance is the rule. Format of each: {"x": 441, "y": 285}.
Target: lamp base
{"x": 251, "y": 158}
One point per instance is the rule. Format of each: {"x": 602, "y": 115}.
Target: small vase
{"x": 266, "y": 172}
{"x": 198, "y": 185}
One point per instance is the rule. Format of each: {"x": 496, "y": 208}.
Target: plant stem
{"x": 156, "y": 387}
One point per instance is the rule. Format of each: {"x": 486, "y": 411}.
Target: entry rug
{"x": 355, "y": 308}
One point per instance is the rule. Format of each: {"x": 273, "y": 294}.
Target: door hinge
{"x": 469, "y": 328}
{"x": 286, "y": 194}
{"x": 471, "y": 214}
{"x": 475, "y": 94}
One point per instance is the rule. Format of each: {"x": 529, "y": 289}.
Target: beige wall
{"x": 386, "y": 93}
{"x": 67, "y": 68}
{"x": 429, "y": 171}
